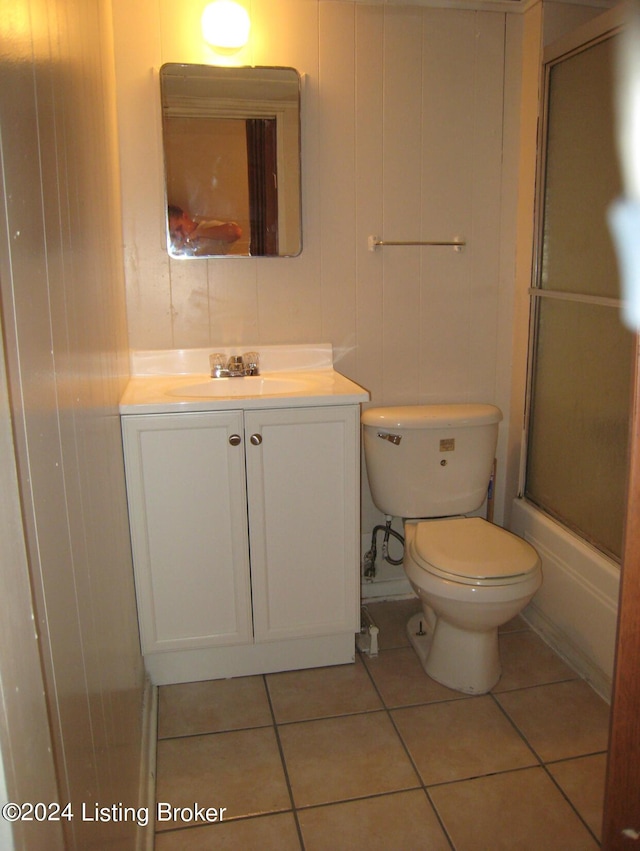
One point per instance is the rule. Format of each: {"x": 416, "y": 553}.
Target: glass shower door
{"x": 581, "y": 364}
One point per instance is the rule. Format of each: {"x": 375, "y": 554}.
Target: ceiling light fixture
{"x": 225, "y": 25}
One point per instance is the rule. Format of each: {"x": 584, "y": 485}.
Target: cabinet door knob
{"x": 256, "y": 439}
{"x": 235, "y": 439}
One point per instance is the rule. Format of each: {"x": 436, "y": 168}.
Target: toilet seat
{"x": 472, "y": 551}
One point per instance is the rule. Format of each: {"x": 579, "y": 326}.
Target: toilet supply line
{"x": 369, "y": 560}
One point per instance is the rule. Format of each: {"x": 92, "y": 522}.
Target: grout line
{"x": 443, "y": 827}
{"x": 542, "y": 763}
{"x": 246, "y": 817}
{"x": 495, "y": 693}
{"x": 568, "y": 799}
{"x": 442, "y": 783}
{"x": 323, "y": 804}
{"x": 331, "y": 717}
{"x": 516, "y": 728}
{"x": 284, "y": 764}
{"x": 574, "y": 758}
{"x": 213, "y": 732}
{"x": 411, "y": 760}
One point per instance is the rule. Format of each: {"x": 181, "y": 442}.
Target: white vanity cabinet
{"x": 244, "y": 529}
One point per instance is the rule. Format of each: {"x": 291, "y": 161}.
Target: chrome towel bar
{"x": 374, "y": 241}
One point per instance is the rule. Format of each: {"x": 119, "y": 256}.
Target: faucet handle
{"x": 217, "y": 362}
{"x": 252, "y": 363}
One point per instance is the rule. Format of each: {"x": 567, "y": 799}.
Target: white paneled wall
{"x": 405, "y": 109}
{"x": 65, "y": 354}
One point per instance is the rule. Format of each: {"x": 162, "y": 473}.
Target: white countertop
{"x": 163, "y": 381}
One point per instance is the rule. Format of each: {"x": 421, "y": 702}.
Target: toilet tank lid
{"x": 458, "y": 415}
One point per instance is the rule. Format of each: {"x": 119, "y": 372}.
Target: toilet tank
{"x": 430, "y": 460}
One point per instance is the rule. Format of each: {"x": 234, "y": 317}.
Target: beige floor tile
{"x": 350, "y": 772}
{"x": 582, "y": 781}
{"x": 402, "y": 681}
{"x": 463, "y": 738}
{"x": 405, "y": 820}
{"x": 267, "y": 833}
{"x": 322, "y": 692}
{"x": 561, "y": 720}
{"x": 528, "y": 661}
{"x": 187, "y": 709}
{"x": 391, "y": 620}
{"x": 341, "y": 758}
{"x": 520, "y": 810}
{"x": 240, "y": 770}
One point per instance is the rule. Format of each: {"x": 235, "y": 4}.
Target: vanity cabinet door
{"x": 187, "y": 507}
{"x": 303, "y": 492}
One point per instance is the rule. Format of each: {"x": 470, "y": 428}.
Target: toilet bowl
{"x": 471, "y": 577}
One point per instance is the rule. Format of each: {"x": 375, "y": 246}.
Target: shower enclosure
{"x": 573, "y": 492}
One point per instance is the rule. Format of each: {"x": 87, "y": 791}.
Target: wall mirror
{"x": 231, "y": 141}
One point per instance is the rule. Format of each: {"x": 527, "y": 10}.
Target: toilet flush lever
{"x": 392, "y": 438}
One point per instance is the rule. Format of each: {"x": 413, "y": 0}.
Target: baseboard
{"x": 245, "y": 660}
{"x": 147, "y": 784}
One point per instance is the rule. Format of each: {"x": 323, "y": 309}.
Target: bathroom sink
{"x": 290, "y": 377}
{"x": 248, "y": 385}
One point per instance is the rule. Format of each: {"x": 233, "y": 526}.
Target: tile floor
{"x": 377, "y": 756}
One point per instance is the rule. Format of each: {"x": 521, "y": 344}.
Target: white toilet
{"x": 431, "y": 465}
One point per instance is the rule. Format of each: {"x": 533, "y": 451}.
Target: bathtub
{"x": 576, "y": 609}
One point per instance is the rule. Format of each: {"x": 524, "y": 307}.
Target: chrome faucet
{"x": 237, "y": 366}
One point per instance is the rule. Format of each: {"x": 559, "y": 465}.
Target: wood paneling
{"x": 63, "y": 308}
{"x": 622, "y": 796}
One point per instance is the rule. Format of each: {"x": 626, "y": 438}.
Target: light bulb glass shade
{"x": 225, "y": 24}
